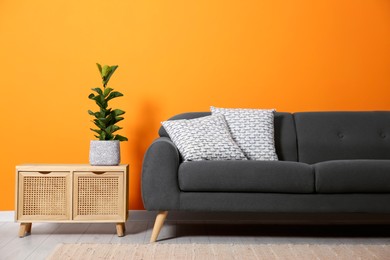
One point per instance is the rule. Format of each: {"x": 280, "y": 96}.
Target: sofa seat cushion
{"x": 246, "y": 176}
{"x": 353, "y": 176}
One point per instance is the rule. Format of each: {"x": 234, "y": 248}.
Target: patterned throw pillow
{"x": 252, "y": 130}
{"x": 204, "y": 138}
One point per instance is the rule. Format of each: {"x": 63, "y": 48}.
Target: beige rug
{"x": 219, "y": 251}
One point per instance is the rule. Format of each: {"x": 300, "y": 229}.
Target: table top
{"x": 70, "y": 167}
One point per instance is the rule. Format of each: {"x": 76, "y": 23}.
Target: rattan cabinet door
{"x": 99, "y": 196}
{"x": 44, "y": 196}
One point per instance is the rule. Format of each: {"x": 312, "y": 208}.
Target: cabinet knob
{"x": 44, "y": 172}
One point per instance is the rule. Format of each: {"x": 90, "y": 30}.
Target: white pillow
{"x": 252, "y": 130}
{"x": 204, "y": 138}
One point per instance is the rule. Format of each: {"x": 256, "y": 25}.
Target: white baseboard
{"x": 7, "y": 216}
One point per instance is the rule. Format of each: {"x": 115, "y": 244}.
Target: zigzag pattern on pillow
{"x": 252, "y": 130}
{"x": 205, "y": 138}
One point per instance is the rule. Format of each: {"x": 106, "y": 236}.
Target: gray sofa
{"x": 329, "y": 162}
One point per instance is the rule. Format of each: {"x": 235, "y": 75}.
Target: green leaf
{"x": 120, "y": 138}
{"x": 105, "y": 71}
{"x": 99, "y": 115}
{"x": 114, "y": 120}
{"x": 100, "y": 124}
{"x": 117, "y": 128}
{"x": 109, "y": 136}
{"x": 98, "y": 90}
{"x": 118, "y": 118}
{"x": 91, "y": 96}
{"x": 118, "y": 112}
{"x": 102, "y": 102}
{"x": 112, "y": 128}
{"x": 109, "y": 74}
{"x": 103, "y": 136}
{"x": 99, "y": 67}
{"x": 104, "y": 112}
{"x": 113, "y": 94}
{"x": 107, "y": 91}
{"x": 96, "y": 131}
{"x": 103, "y": 120}
{"x": 98, "y": 137}
{"x": 95, "y": 114}
{"x": 98, "y": 103}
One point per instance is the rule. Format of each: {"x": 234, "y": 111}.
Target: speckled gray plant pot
{"x": 104, "y": 152}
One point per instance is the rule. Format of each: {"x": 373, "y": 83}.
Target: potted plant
{"x": 106, "y": 150}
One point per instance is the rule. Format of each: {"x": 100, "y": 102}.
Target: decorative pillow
{"x": 252, "y": 130}
{"x": 204, "y": 138}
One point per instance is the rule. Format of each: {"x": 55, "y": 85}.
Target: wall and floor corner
{"x": 173, "y": 57}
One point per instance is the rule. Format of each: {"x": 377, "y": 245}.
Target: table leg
{"x": 120, "y": 229}
{"x": 28, "y": 227}
{"x": 24, "y": 227}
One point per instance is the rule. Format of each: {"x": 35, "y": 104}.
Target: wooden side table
{"x": 71, "y": 193}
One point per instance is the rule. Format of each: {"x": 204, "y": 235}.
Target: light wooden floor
{"x": 46, "y": 236}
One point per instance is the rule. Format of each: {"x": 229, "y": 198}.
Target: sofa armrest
{"x": 160, "y": 188}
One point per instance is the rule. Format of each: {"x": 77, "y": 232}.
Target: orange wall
{"x": 176, "y": 56}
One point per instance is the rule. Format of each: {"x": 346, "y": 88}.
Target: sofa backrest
{"x": 323, "y": 136}
{"x": 285, "y": 136}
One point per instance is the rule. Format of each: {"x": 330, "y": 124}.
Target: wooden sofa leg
{"x": 161, "y": 216}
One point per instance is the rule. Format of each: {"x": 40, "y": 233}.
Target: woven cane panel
{"x": 44, "y": 195}
{"x": 98, "y": 196}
